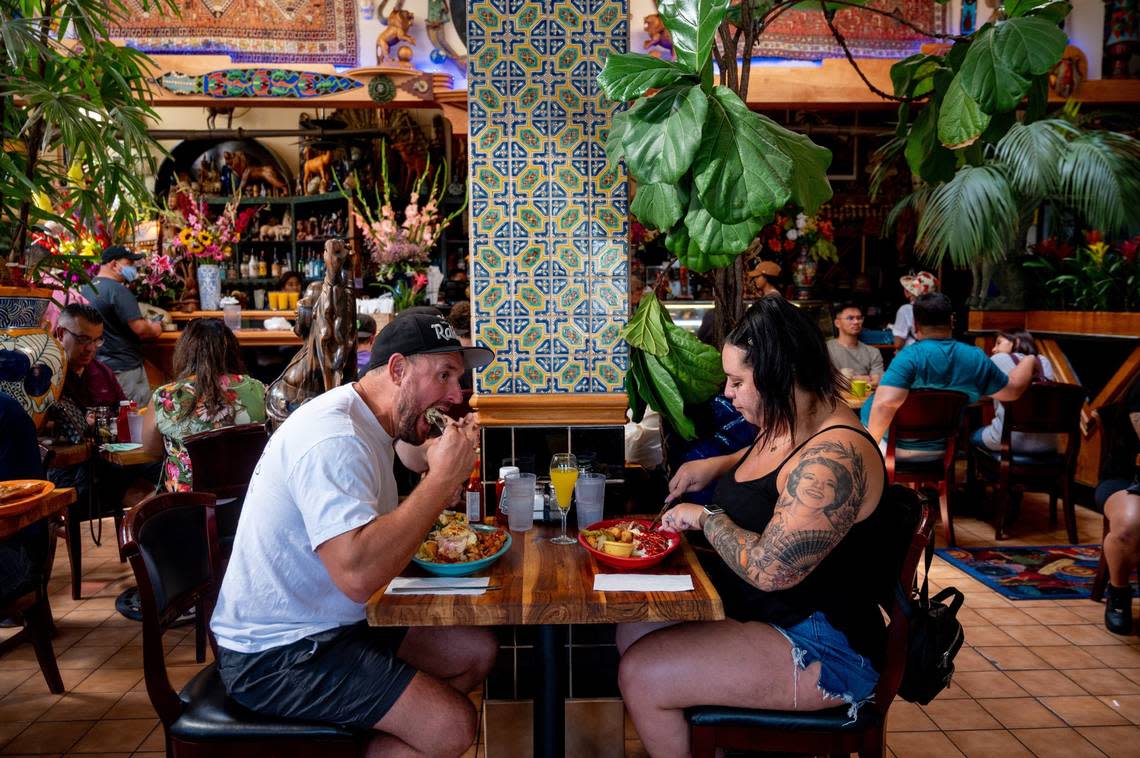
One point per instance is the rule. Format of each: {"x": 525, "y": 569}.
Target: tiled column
{"x": 549, "y": 266}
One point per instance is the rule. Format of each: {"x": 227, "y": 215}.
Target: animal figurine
{"x": 399, "y": 24}
{"x": 245, "y": 171}
{"x": 212, "y": 116}
{"x": 316, "y": 166}
{"x": 658, "y": 36}
{"x": 1070, "y": 71}
{"x": 327, "y": 322}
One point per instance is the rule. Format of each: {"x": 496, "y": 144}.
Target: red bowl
{"x": 629, "y": 563}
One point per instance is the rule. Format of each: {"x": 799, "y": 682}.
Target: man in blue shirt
{"x": 938, "y": 361}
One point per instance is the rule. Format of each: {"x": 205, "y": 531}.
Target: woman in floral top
{"x": 210, "y": 392}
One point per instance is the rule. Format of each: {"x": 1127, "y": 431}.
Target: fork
{"x": 656, "y": 522}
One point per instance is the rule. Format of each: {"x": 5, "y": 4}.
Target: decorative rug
{"x": 1030, "y": 573}
{"x": 803, "y": 34}
{"x": 263, "y": 31}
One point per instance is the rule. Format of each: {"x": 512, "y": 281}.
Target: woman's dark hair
{"x": 844, "y": 485}
{"x": 1022, "y": 340}
{"x": 207, "y": 350}
{"x": 785, "y": 350}
{"x": 290, "y": 275}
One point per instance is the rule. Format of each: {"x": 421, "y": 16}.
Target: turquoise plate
{"x": 469, "y": 567}
{"x": 121, "y": 447}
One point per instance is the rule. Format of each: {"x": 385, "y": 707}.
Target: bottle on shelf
{"x": 276, "y": 270}
{"x": 262, "y": 267}
{"x": 474, "y": 495}
{"x": 505, "y": 473}
{"x": 250, "y": 267}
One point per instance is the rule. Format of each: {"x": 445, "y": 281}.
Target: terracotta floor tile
{"x": 988, "y": 634}
{"x": 1103, "y": 682}
{"x": 11, "y": 679}
{"x": 976, "y": 599}
{"x": 1083, "y": 710}
{"x": 1126, "y": 705}
{"x": 959, "y": 714}
{"x": 1068, "y": 656}
{"x": 9, "y": 730}
{"x": 73, "y": 706}
{"x": 908, "y": 717}
{"x": 118, "y": 735}
{"x": 1036, "y": 635}
{"x": 1020, "y": 713}
{"x": 1088, "y": 634}
{"x": 81, "y": 656}
{"x": 20, "y": 657}
{"x": 37, "y": 685}
{"x": 988, "y": 742}
{"x": 969, "y": 659}
{"x": 1131, "y": 674}
{"x": 132, "y": 705}
{"x": 17, "y": 707}
{"x": 1056, "y": 743}
{"x": 110, "y": 680}
{"x": 156, "y": 740}
{"x": 49, "y": 737}
{"x": 1046, "y": 683}
{"x": 1051, "y": 614}
{"x": 85, "y": 618}
{"x": 1004, "y": 617}
{"x": 1114, "y": 741}
{"x": 128, "y": 657}
{"x": 1089, "y": 612}
{"x": 1010, "y": 658}
{"x": 1115, "y": 656}
{"x": 980, "y": 684}
{"x": 921, "y": 745}
{"x": 115, "y": 636}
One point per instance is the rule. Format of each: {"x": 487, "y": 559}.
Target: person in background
{"x": 89, "y": 382}
{"x": 1010, "y": 349}
{"x": 938, "y": 361}
{"x": 1118, "y": 496}
{"x": 798, "y": 547}
{"x": 914, "y": 286}
{"x": 322, "y": 529}
{"x": 847, "y": 352}
{"x": 291, "y": 281}
{"x": 22, "y": 556}
{"x": 764, "y": 279}
{"x": 460, "y": 319}
{"x": 210, "y": 392}
{"x": 125, "y": 329}
{"x": 365, "y": 336}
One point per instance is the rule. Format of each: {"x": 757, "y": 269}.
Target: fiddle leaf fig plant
{"x": 710, "y": 172}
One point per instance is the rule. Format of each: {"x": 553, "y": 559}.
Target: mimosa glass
{"x": 563, "y": 476}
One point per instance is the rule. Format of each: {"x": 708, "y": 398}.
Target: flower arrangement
{"x": 70, "y": 258}
{"x": 204, "y": 238}
{"x": 158, "y": 282}
{"x": 793, "y": 231}
{"x": 1091, "y": 275}
{"x": 400, "y": 245}
{"x": 406, "y": 294}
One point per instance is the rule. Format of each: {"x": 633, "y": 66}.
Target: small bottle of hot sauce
{"x": 474, "y": 495}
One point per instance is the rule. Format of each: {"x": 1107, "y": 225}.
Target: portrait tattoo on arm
{"x": 820, "y": 502}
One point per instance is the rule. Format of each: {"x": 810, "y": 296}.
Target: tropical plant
{"x": 73, "y": 120}
{"x": 1093, "y": 276}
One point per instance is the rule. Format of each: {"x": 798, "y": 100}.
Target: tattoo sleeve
{"x": 820, "y": 502}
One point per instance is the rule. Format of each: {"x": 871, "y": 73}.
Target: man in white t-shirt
{"x": 321, "y": 530}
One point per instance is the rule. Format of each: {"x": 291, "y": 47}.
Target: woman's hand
{"x": 691, "y": 476}
{"x": 683, "y": 516}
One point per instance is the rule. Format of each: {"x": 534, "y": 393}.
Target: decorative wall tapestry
{"x": 804, "y": 34}
{"x": 265, "y": 31}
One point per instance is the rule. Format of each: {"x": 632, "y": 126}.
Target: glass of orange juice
{"x": 563, "y": 476}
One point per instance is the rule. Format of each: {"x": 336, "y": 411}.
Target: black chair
{"x": 831, "y": 731}
{"x": 1044, "y": 408}
{"x": 928, "y": 415}
{"x": 222, "y": 462}
{"x": 27, "y": 599}
{"x": 170, "y": 541}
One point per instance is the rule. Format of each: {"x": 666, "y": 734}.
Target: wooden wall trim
{"x": 551, "y": 410}
{"x": 1084, "y": 323}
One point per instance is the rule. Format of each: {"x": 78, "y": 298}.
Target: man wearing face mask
{"x": 124, "y": 327}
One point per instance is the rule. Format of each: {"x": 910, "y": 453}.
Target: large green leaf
{"x": 690, "y": 255}
{"x": 663, "y": 133}
{"x": 636, "y": 404}
{"x": 695, "y": 366}
{"x": 991, "y": 79}
{"x": 924, "y": 154}
{"x": 692, "y": 24}
{"x": 1032, "y": 152}
{"x": 1053, "y": 10}
{"x": 615, "y": 150}
{"x": 630, "y": 75}
{"x": 913, "y": 76}
{"x": 673, "y": 404}
{"x": 740, "y": 170}
{"x": 714, "y": 236}
{"x": 659, "y": 205}
{"x": 1100, "y": 177}
{"x": 810, "y": 187}
{"x": 646, "y": 330}
{"x": 968, "y": 218}
{"x": 1030, "y": 45}
{"x": 960, "y": 120}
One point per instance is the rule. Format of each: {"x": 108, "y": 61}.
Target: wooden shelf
{"x": 251, "y": 315}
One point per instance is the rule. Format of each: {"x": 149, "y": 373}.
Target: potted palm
{"x": 73, "y": 127}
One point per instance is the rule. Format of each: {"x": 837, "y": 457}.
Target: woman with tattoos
{"x": 797, "y": 548}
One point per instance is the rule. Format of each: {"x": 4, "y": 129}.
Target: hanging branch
{"x": 829, "y": 17}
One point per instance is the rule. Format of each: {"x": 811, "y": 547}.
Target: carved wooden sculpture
{"x": 328, "y": 357}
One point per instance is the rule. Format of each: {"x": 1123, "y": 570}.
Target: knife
{"x": 437, "y": 587}
{"x": 656, "y": 522}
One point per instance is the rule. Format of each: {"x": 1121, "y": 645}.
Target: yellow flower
{"x": 89, "y": 247}
{"x": 185, "y": 236}
{"x": 67, "y": 247}
{"x": 1097, "y": 250}
{"x": 206, "y": 237}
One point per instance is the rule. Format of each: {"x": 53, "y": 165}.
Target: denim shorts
{"x": 843, "y": 673}
{"x": 349, "y": 675}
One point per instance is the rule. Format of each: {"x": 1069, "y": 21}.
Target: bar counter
{"x": 158, "y": 354}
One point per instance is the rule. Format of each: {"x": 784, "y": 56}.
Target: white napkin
{"x": 472, "y": 585}
{"x": 643, "y": 582}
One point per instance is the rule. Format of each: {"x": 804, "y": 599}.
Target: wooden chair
{"x": 170, "y": 541}
{"x": 222, "y": 462}
{"x": 830, "y": 731}
{"x": 928, "y": 415}
{"x": 1044, "y": 408}
{"x": 28, "y": 600}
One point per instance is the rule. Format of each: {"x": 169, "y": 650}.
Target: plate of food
{"x": 628, "y": 543}
{"x": 16, "y": 494}
{"x": 454, "y": 547}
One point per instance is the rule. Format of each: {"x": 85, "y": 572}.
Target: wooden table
{"x": 67, "y": 454}
{"x": 855, "y": 403}
{"x": 45, "y": 505}
{"x": 130, "y": 457}
{"x": 549, "y": 586}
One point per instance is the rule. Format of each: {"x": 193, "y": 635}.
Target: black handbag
{"x": 935, "y": 637}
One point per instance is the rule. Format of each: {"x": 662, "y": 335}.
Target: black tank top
{"x": 842, "y": 586}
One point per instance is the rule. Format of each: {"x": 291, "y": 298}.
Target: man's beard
{"x": 408, "y": 421}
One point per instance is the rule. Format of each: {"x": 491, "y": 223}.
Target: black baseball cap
{"x": 115, "y": 252}
{"x": 423, "y": 331}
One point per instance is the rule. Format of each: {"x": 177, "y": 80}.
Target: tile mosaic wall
{"x": 549, "y": 266}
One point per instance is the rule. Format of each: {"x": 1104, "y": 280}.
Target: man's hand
{"x": 452, "y": 457}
